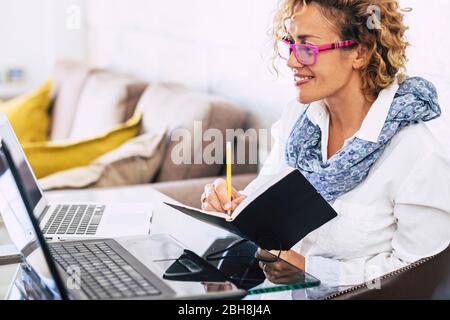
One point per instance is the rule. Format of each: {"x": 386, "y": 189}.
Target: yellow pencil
{"x": 229, "y": 173}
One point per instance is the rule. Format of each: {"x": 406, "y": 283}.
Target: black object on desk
{"x": 238, "y": 264}
{"x": 190, "y": 267}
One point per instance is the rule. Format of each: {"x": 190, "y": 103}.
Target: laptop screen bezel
{"x": 62, "y": 291}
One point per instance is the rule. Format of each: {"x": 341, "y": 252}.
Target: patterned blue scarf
{"x": 415, "y": 101}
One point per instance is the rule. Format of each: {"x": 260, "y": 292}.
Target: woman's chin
{"x": 304, "y": 99}
{"x": 307, "y": 97}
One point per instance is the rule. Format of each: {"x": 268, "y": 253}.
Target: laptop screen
{"x": 22, "y": 231}
{"x": 7, "y": 134}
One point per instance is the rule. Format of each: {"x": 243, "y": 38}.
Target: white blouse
{"x": 398, "y": 215}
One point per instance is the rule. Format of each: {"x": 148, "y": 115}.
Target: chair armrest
{"x": 188, "y": 192}
{"x": 425, "y": 279}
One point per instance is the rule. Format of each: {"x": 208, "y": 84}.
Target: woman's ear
{"x": 361, "y": 57}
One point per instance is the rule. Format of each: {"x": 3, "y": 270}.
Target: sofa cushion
{"x": 49, "y": 157}
{"x": 107, "y": 99}
{"x": 167, "y": 107}
{"x": 135, "y": 162}
{"x": 69, "y": 79}
{"x": 28, "y": 114}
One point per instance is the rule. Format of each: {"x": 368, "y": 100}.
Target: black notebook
{"x": 276, "y": 217}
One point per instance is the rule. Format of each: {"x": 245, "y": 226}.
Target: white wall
{"x": 210, "y": 45}
{"x": 69, "y": 30}
{"x": 25, "y": 37}
{"x": 34, "y": 34}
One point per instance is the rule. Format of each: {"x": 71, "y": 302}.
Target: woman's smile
{"x": 301, "y": 80}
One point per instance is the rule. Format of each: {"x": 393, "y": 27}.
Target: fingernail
{"x": 227, "y": 206}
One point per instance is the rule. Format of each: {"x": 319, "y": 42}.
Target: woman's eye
{"x": 289, "y": 39}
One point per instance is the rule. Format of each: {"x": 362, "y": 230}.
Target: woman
{"x": 358, "y": 134}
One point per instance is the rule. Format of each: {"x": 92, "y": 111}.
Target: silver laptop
{"x": 101, "y": 269}
{"x": 65, "y": 221}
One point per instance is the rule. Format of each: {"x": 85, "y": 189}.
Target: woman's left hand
{"x": 286, "y": 269}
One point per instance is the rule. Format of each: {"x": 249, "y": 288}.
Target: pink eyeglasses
{"x": 306, "y": 54}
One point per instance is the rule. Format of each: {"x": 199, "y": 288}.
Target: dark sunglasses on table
{"x": 306, "y": 54}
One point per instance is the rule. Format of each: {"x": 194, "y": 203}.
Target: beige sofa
{"x": 89, "y": 101}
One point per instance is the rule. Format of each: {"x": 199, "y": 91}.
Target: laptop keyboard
{"x": 74, "y": 220}
{"x": 104, "y": 274}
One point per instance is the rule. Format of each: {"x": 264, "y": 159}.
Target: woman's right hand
{"x": 215, "y": 197}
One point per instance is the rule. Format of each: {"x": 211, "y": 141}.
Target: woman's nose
{"x": 293, "y": 62}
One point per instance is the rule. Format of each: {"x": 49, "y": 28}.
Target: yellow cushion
{"x": 28, "y": 114}
{"x": 50, "y": 157}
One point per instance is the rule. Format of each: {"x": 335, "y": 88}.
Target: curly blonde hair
{"x": 386, "y": 44}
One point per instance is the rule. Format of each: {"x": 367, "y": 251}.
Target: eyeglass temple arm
{"x": 337, "y": 45}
